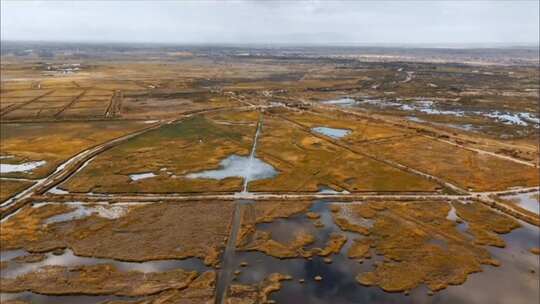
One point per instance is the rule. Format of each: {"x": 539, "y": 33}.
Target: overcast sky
{"x": 250, "y": 21}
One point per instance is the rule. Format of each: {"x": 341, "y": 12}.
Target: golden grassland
{"x": 171, "y": 152}
{"x": 421, "y": 246}
{"x": 255, "y": 293}
{"x": 9, "y": 188}
{"x": 361, "y": 130}
{"x": 56, "y": 142}
{"x": 468, "y": 169}
{"x": 252, "y": 239}
{"x": 418, "y": 242}
{"x": 143, "y": 233}
{"x": 52, "y": 116}
{"x": 306, "y": 162}
{"x": 106, "y": 279}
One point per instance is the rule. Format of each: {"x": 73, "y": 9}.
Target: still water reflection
{"x": 515, "y": 281}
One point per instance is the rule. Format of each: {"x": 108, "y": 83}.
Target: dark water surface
{"x": 42, "y": 299}
{"x": 516, "y": 281}
{"x": 512, "y": 282}
{"x": 14, "y": 269}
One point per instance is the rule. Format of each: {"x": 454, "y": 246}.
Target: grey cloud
{"x": 249, "y": 21}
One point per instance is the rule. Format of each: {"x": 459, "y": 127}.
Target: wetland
{"x": 197, "y": 174}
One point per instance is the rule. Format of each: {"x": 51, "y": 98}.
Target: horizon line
{"x": 463, "y": 45}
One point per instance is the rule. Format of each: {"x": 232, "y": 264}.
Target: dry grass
{"x": 143, "y": 233}
{"x": 419, "y": 244}
{"x": 9, "y": 188}
{"x": 465, "y": 168}
{"x": 306, "y": 162}
{"x": 56, "y": 142}
{"x": 193, "y": 145}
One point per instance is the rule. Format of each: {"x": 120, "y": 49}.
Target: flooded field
{"x": 528, "y": 201}
{"x": 125, "y": 269}
{"x": 436, "y": 112}
{"x": 28, "y": 297}
{"x": 138, "y": 176}
{"x": 146, "y": 175}
{"x": 332, "y": 132}
{"x": 239, "y": 166}
{"x": 338, "y": 282}
{"x": 319, "y": 276}
{"x": 16, "y": 264}
{"x": 432, "y": 108}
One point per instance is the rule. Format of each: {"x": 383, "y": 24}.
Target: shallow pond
{"x": 13, "y": 268}
{"x": 57, "y": 190}
{"x": 23, "y": 167}
{"x": 430, "y": 107}
{"x": 67, "y": 258}
{"x": 250, "y": 168}
{"x": 328, "y": 190}
{"x": 415, "y": 119}
{"x": 527, "y": 201}
{"x": 139, "y": 176}
{"x": 508, "y": 118}
{"x": 461, "y": 225}
{"x": 82, "y": 211}
{"x": 517, "y": 284}
{"x": 341, "y": 102}
{"x": 332, "y": 132}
